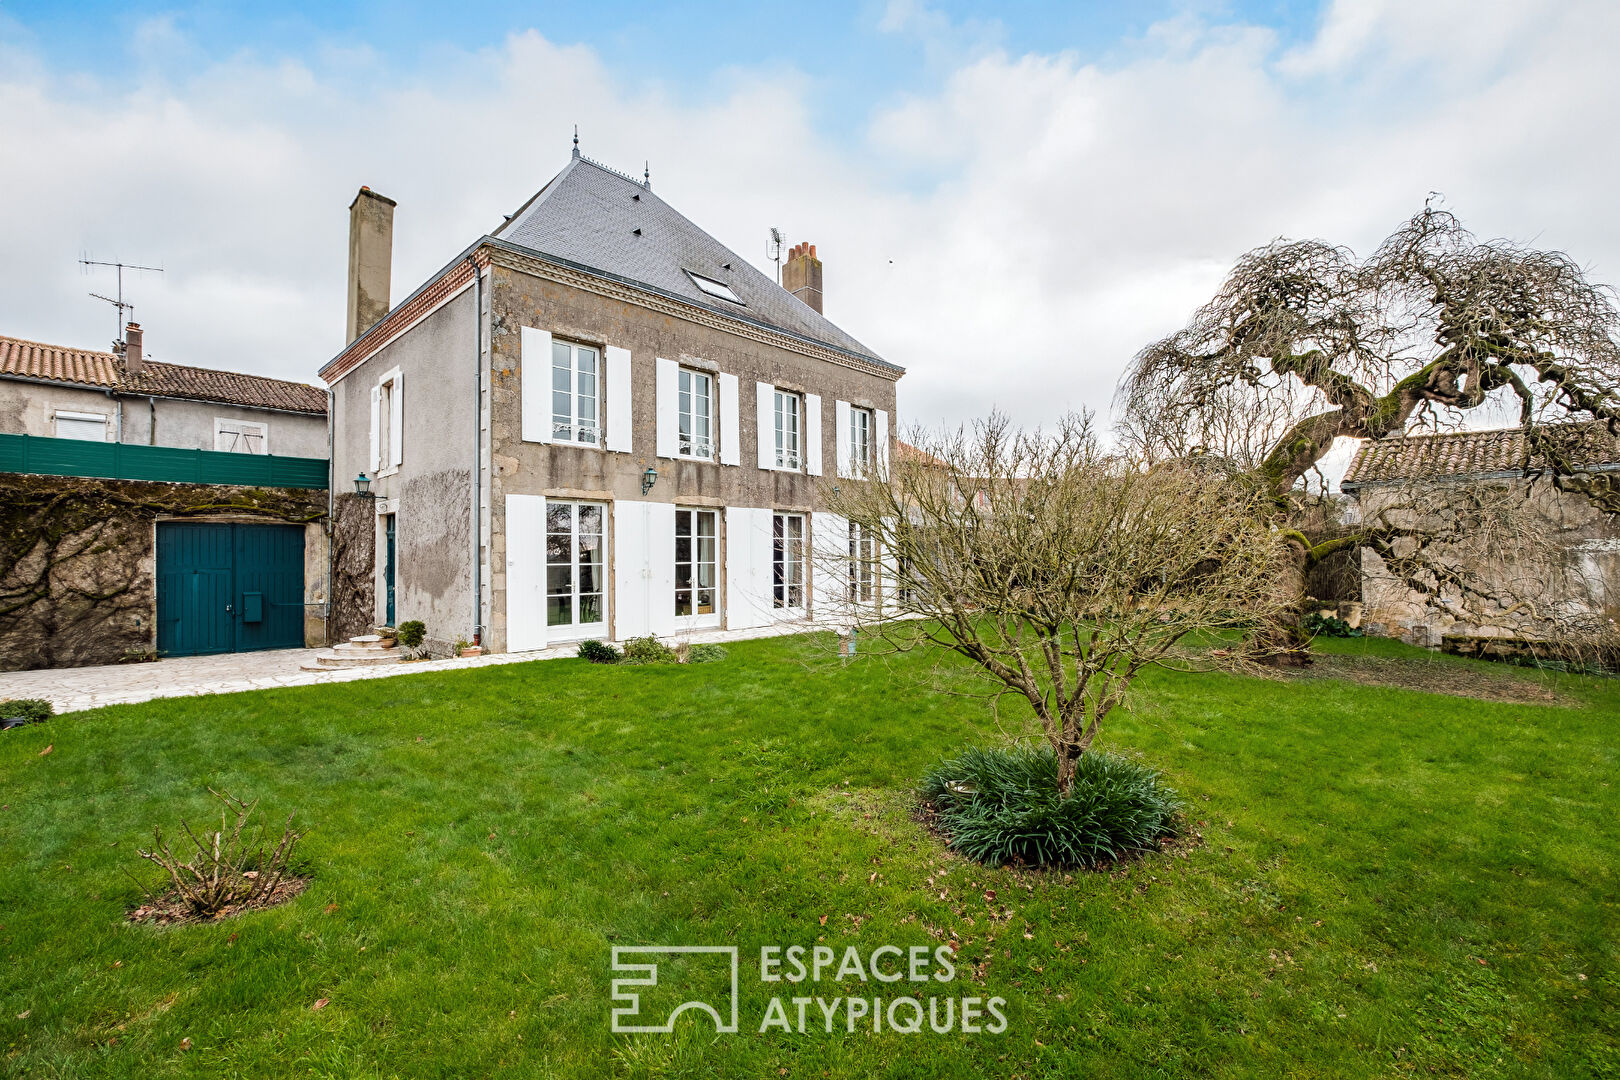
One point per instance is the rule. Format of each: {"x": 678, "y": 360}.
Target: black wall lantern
{"x": 648, "y": 479}
{"x": 362, "y": 487}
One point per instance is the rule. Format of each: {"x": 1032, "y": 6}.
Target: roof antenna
{"x": 776, "y": 252}
{"x": 646, "y": 175}
{"x": 120, "y": 303}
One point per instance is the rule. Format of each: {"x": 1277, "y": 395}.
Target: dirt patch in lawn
{"x": 1482, "y": 681}
{"x": 170, "y": 910}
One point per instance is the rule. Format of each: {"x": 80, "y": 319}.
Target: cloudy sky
{"x": 1010, "y": 198}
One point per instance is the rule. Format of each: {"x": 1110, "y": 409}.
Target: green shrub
{"x": 705, "y": 654}
{"x": 648, "y": 650}
{"x": 34, "y": 710}
{"x": 598, "y": 652}
{"x": 1002, "y": 806}
{"x": 411, "y": 633}
{"x": 1318, "y": 625}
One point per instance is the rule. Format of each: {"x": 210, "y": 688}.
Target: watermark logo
{"x": 648, "y": 973}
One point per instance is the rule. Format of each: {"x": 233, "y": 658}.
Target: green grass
{"x": 1390, "y": 882}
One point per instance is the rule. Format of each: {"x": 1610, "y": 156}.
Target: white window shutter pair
{"x": 767, "y": 425}
{"x": 375, "y": 457}
{"x": 396, "y": 420}
{"x": 619, "y": 419}
{"x": 730, "y": 426}
{"x": 841, "y": 433}
{"x": 812, "y": 434}
{"x": 534, "y": 373}
{"x": 525, "y": 572}
{"x": 883, "y": 443}
{"x": 668, "y": 385}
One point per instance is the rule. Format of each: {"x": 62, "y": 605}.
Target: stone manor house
{"x": 595, "y": 422}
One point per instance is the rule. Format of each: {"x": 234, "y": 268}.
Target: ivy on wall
{"x": 77, "y": 559}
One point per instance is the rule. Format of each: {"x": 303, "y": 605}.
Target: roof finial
{"x": 576, "y": 140}
{"x": 646, "y": 175}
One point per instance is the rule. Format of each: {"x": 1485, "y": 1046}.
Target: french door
{"x": 697, "y": 550}
{"x": 576, "y": 569}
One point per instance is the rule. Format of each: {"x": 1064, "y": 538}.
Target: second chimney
{"x": 134, "y": 362}
{"x": 801, "y": 274}
{"x": 371, "y": 256}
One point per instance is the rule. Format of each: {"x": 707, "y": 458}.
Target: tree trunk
{"x": 1286, "y": 644}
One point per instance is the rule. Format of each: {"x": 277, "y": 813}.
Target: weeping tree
{"x": 1305, "y": 343}
{"x": 1059, "y": 570}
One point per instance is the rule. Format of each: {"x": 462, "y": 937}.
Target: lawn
{"x": 1388, "y": 882}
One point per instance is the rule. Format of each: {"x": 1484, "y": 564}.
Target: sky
{"x": 1010, "y": 199}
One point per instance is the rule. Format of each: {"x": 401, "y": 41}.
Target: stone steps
{"x": 367, "y": 650}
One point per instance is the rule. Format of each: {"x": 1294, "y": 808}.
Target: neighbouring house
{"x": 595, "y": 422}
{"x": 155, "y": 508}
{"x": 1585, "y": 581}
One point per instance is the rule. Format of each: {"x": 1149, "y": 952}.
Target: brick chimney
{"x": 371, "y": 256}
{"x": 801, "y": 274}
{"x": 134, "y": 362}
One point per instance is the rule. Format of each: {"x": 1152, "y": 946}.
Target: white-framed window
{"x": 576, "y": 568}
{"x": 862, "y": 440}
{"x": 787, "y": 561}
{"x": 789, "y": 429}
{"x": 862, "y": 564}
{"x": 697, "y": 564}
{"x": 89, "y": 426}
{"x": 387, "y": 423}
{"x": 576, "y": 399}
{"x": 241, "y": 436}
{"x": 696, "y": 411}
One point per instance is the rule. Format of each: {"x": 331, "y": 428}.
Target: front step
{"x": 367, "y": 650}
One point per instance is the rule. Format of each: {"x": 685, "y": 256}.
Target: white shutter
{"x": 841, "y": 433}
{"x": 375, "y": 457}
{"x": 812, "y": 434}
{"x": 618, "y": 399}
{"x": 730, "y": 422}
{"x": 829, "y": 566}
{"x": 668, "y": 374}
{"x": 534, "y": 374}
{"x": 661, "y": 566}
{"x": 883, "y": 444}
{"x": 525, "y": 572}
{"x": 396, "y": 420}
{"x": 631, "y": 603}
{"x": 767, "y": 425}
{"x": 747, "y": 602}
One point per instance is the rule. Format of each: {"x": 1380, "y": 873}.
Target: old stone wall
{"x": 354, "y": 554}
{"x": 78, "y": 559}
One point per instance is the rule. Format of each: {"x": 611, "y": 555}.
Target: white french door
{"x": 697, "y": 560}
{"x": 576, "y": 570}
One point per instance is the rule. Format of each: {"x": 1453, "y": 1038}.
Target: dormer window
{"x": 714, "y": 288}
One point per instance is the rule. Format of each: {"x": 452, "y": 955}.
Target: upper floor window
{"x": 241, "y": 436}
{"x": 861, "y": 441}
{"x": 789, "y": 429}
{"x": 387, "y": 423}
{"x": 81, "y": 425}
{"x": 696, "y": 408}
{"x": 575, "y": 394}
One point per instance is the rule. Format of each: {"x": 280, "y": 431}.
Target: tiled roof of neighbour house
{"x": 1471, "y": 454}
{"x": 904, "y": 451}
{"x": 602, "y": 220}
{"x": 104, "y": 371}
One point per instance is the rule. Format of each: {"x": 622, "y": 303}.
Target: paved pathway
{"x": 72, "y": 689}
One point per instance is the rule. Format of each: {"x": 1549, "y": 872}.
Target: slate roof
{"x": 103, "y": 370}
{"x": 602, "y": 220}
{"x": 1471, "y": 454}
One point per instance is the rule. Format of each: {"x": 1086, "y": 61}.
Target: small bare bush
{"x": 234, "y": 866}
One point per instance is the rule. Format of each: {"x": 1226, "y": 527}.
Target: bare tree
{"x": 1059, "y": 570}
{"x": 1304, "y": 344}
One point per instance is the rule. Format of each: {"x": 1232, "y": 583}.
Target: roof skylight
{"x": 714, "y": 288}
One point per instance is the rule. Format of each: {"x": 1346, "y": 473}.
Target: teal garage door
{"x": 228, "y": 587}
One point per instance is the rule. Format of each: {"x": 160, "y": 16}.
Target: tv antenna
{"x": 776, "y": 252}
{"x": 119, "y": 302}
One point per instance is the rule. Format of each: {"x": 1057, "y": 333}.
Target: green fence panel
{"x": 131, "y": 461}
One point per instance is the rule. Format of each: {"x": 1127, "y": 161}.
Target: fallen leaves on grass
{"x": 319, "y": 1005}
{"x": 47, "y": 750}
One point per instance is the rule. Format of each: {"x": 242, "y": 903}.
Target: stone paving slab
{"x": 74, "y": 689}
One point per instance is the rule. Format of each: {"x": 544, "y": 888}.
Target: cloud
{"x": 1012, "y": 235}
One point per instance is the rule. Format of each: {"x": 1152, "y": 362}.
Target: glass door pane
{"x": 589, "y": 540}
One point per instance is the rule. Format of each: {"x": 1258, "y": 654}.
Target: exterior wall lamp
{"x": 362, "y": 487}
{"x": 648, "y": 479}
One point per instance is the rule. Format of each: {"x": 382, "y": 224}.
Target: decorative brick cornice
{"x": 439, "y": 288}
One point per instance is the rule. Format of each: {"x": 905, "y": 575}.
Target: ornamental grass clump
{"x": 1003, "y": 806}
